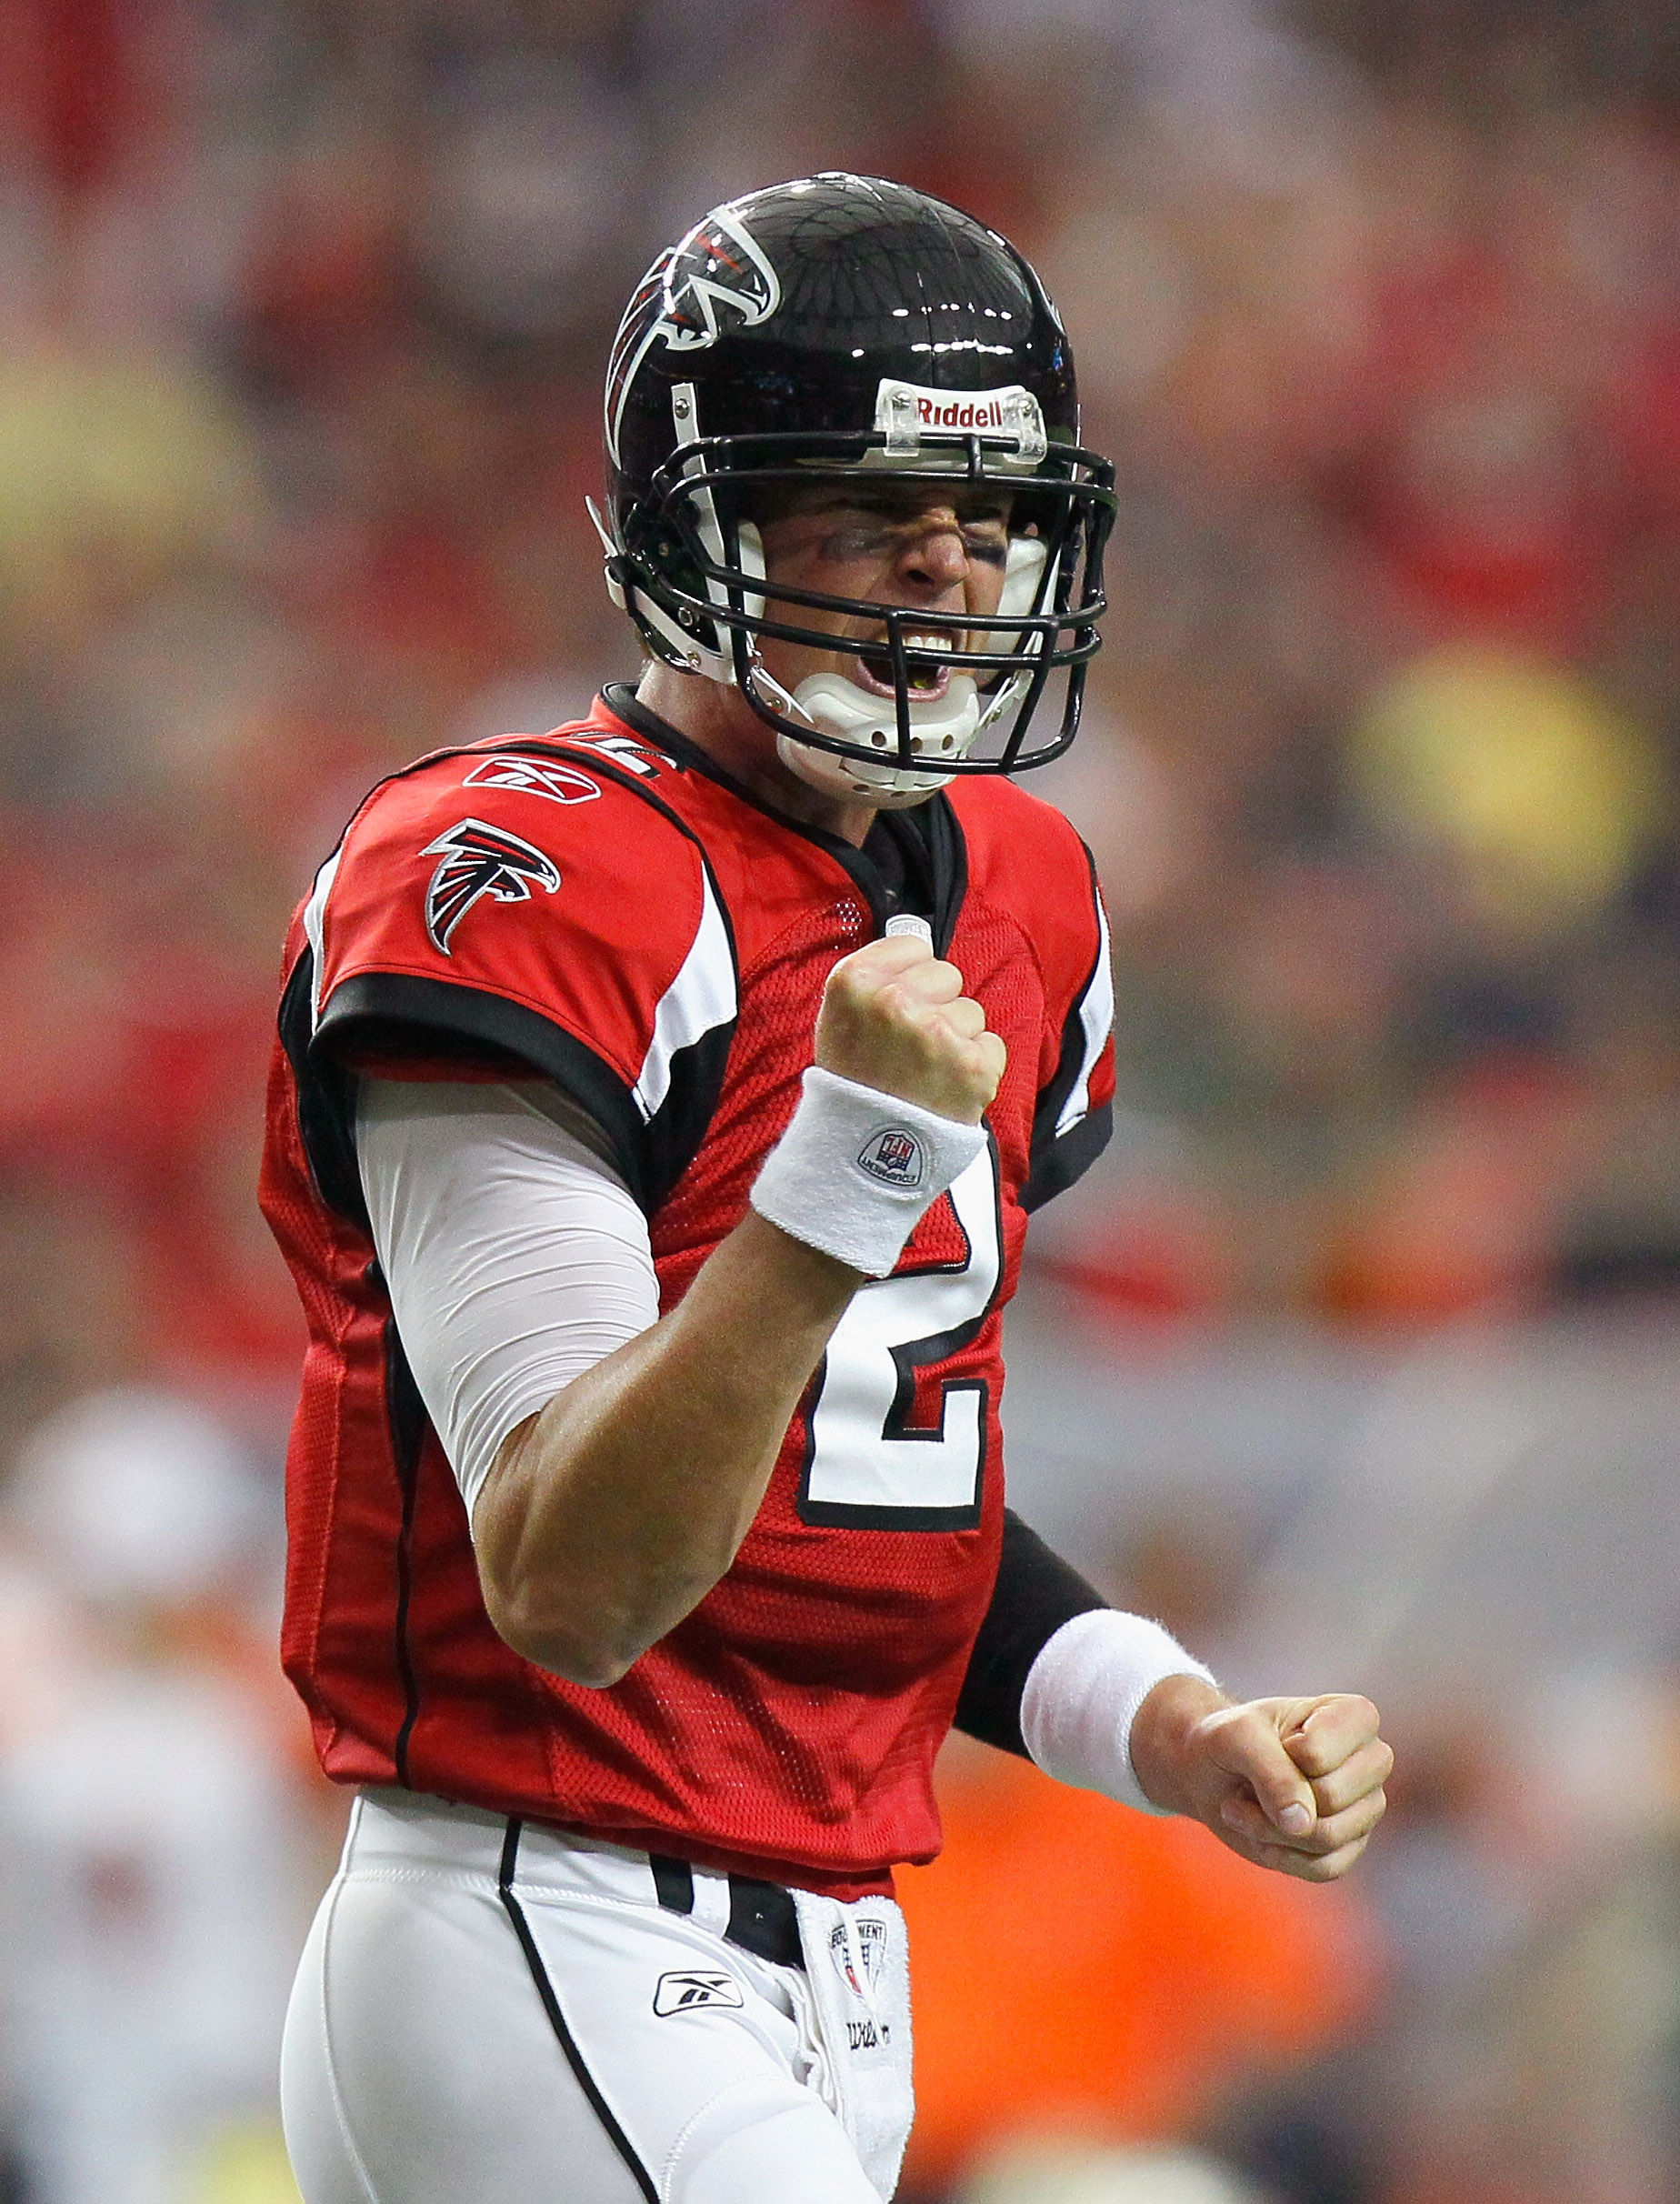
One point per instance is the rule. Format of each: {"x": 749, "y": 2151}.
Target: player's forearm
{"x": 611, "y": 1515}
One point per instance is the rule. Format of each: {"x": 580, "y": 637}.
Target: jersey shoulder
{"x": 506, "y": 820}
{"x": 1027, "y": 857}
{"x": 532, "y": 898}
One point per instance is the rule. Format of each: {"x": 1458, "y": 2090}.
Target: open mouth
{"x": 925, "y": 682}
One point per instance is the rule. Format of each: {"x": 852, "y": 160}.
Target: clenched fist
{"x": 895, "y": 1017}
{"x": 1295, "y": 1784}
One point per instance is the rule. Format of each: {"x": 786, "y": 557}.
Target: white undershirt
{"x": 515, "y": 1258}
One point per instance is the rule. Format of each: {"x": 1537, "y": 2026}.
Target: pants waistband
{"x": 419, "y": 1829}
{"x": 763, "y": 1919}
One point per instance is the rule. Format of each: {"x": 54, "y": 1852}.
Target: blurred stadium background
{"x": 1356, "y": 1361}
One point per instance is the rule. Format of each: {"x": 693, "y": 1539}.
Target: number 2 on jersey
{"x": 865, "y": 1468}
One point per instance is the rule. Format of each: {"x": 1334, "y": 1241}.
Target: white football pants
{"x": 459, "y": 2034}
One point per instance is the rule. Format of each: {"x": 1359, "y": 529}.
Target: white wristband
{"x": 1083, "y": 1694}
{"x": 855, "y": 1170}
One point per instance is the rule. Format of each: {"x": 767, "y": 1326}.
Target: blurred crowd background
{"x": 1355, "y": 1360}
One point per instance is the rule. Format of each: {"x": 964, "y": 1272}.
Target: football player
{"x": 660, "y": 1105}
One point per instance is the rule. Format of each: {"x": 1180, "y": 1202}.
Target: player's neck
{"x": 720, "y": 722}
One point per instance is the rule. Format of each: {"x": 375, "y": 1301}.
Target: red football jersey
{"x": 602, "y": 905}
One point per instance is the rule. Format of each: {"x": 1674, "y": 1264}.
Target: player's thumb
{"x": 1284, "y": 1795}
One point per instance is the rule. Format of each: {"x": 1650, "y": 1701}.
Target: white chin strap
{"x": 942, "y": 729}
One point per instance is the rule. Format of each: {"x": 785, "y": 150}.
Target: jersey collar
{"x": 914, "y": 860}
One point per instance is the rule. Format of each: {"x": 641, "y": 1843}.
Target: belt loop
{"x": 711, "y": 1900}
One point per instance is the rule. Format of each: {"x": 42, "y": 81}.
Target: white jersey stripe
{"x": 315, "y": 926}
{"x": 1096, "y": 1016}
{"x": 700, "y": 998}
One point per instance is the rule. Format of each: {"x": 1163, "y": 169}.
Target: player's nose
{"x": 933, "y": 555}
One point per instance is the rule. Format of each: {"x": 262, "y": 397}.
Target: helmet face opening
{"x": 732, "y": 392}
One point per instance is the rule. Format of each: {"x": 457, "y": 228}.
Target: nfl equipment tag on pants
{"x": 857, "y": 1965}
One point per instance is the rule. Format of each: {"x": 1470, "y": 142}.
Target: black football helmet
{"x": 798, "y": 336}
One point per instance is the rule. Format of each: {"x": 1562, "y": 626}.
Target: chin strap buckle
{"x": 611, "y": 556}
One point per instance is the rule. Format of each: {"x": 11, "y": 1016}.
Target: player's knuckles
{"x": 1359, "y": 1819}
{"x": 1335, "y": 1730}
{"x": 900, "y": 1004}
{"x": 885, "y": 958}
{"x": 964, "y": 1018}
{"x": 1244, "y": 1741}
{"x": 856, "y": 995}
{"x": 1330, "y": 1866}
{"x": 858, "y": 979}
{"x": 1305, "y": 1868}
{"x": 1336, "y": 1833}
{"x": 988, "y": 1060}
{"x": 1357, "y": 1778}
{"x": 931, "y": 983}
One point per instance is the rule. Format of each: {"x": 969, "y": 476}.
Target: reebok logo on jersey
{"x": 535, "y": 776}
{"x": 893, "y": 1157}
{"x": 688, "y": 1991}
{"x": 480, "y": 860}
{"x": 638, "y": 757}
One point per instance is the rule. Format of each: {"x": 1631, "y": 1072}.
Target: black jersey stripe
{"x": 1033, "y": 1594}
{"x": 325, "y": 1101}
{"x": 365, "y": 1011}
{"x": 1063, "y": 1161}
{"x": 406, "y": 1418}
{"x": 557, "y": 2020}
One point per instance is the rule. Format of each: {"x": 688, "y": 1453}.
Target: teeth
{"x": 928, "y": 643}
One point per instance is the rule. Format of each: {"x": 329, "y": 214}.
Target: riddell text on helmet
{"x": 908, "y": 410}
{"x": 964, "y": 413}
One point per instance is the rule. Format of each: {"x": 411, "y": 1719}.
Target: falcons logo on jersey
{"x": 480, "y": 860}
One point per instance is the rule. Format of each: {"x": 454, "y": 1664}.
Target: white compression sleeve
{"x": 1082, "y": 1693}
{"x": 513, "y": 1256}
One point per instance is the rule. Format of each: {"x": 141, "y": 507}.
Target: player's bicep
{"x": 513, "y": 1256}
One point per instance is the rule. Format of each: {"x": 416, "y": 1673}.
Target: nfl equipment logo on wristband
{"x": 856, "y": 1169}
{"x": 893, "y": 1157}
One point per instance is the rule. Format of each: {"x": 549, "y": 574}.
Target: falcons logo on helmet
{"x": 717, "y": 272}
{"x": 480, "y": 860}
{"x": 719, "y": 263}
